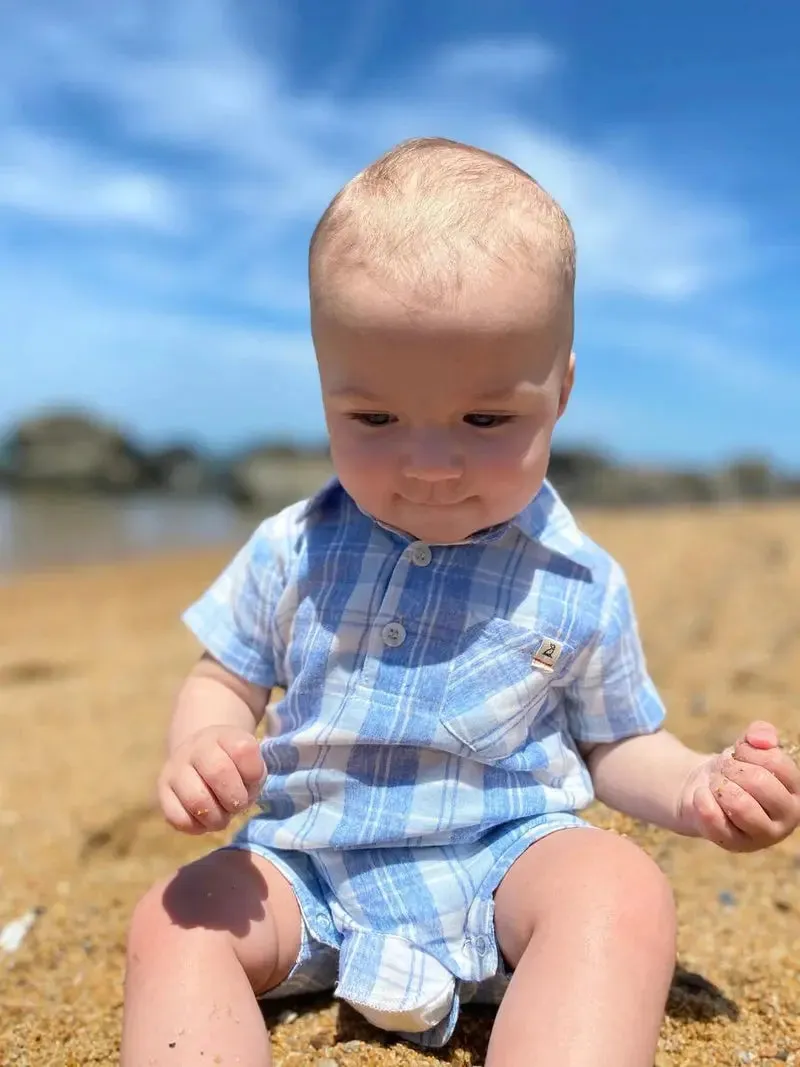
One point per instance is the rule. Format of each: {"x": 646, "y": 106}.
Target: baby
{"x": 462, "y": 675}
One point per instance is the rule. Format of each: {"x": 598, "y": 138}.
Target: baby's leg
{"x": 587, "y": 921}
{"x": 200, "y": 946}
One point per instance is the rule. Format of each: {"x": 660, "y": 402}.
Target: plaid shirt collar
{"x": 545, "y": 519}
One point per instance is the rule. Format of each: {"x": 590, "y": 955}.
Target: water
{"x": 38, "y": 532}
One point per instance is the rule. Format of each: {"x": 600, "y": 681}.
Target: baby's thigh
{"x": 587, "y": 882}
{"x": 230, "y": 895}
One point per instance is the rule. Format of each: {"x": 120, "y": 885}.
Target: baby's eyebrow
{"x": 497, "y": 395}
{"x": 507, "y": 394}
{"x": 355, "y": 395}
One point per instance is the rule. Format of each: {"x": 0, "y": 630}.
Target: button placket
{"x": 389, "y": 606}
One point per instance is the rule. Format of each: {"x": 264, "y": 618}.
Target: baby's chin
{"x": 443, "y": 525}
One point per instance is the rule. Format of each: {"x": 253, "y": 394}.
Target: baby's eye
{"x": 485, "y": 421}
{"x": 372, "y": 418}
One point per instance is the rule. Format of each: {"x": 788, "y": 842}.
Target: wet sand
{"x": 90, "y": 659}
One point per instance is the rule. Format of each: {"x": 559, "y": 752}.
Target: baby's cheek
{"x": 357, "y": 462}
{"x": 511, "y": 466}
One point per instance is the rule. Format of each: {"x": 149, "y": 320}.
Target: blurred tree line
{"x": 73, "y": 451}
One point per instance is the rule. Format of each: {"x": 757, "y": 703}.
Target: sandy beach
{"x": 90, "y": 658}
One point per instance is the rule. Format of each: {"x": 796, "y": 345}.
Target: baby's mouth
{"x": 437, "y": 503}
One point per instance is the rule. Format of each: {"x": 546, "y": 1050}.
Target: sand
{"x": 89, "y": 662}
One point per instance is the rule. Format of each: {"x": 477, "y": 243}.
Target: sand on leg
{"x": 201, "y": 946}
{"x": 587, "y": 921}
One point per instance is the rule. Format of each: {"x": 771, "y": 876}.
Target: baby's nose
{"x": 430, "y": 458}
{"x": 429, "y": 472}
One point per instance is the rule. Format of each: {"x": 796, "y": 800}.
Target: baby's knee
{"x": 149, "y": 922}
{"x": 223, "y": 891}
{"x": 231, "y": 898}
{"x": 636, "y": 896}
{"x": 588, "y": 880}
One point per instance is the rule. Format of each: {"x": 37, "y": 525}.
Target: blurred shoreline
{"x": 42, "y": 531}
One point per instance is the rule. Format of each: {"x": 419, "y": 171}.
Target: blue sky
{"x": 162, "y": 165}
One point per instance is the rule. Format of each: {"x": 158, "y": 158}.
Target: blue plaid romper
{"x": 435, "y": 696}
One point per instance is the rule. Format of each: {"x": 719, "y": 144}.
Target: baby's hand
{"x": 211, "y": 776}
{"x": 747, "y": 797}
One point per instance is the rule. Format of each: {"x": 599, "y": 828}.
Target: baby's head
{"x": 442, "y": 290}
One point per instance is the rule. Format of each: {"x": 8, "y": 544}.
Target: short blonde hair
{"x": 431, "y": 213}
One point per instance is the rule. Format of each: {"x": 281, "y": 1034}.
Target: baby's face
{"x": 440, "y": 421}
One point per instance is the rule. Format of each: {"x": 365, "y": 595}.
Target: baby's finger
{"x": 176, "y": 815}
{"x": 745, "y": 812}
{"x": 775, "y": 760}
{"x": 761, "y": 734}
{"x": 245, "y": 751}
{"x": 222, "y": 778}
{"x": 763, "y": 786}
{"x": 198, "y": 800}
{"x": 715, "y": 825}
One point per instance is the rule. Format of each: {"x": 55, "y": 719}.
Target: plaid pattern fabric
{"x": 435, "y": 698}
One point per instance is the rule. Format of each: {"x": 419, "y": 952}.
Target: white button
{"x": 394, "y": 634}
{"x": 420, "y": 554}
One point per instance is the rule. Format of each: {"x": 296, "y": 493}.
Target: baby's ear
{"x": 566, "y": 385}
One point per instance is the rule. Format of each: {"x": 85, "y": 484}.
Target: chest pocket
{"x": 496, "y": 689}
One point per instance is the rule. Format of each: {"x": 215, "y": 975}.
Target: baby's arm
{"x": 644, "y": 776}
{"x": 744, "y": 798}
{"x": 211, "y": 695}
{"x": 214, "y": 766}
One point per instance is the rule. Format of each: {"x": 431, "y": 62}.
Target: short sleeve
{"x": 612, "y": 695}
{"x": 235, "y": 618}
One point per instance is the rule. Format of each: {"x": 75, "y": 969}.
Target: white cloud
{"x": 635, "y": 236}
{"x": 696, "y": 353}
{"x": 496, "y": 62}
{"x": 70, "y": 319}
{"x": 51, "y": 179}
